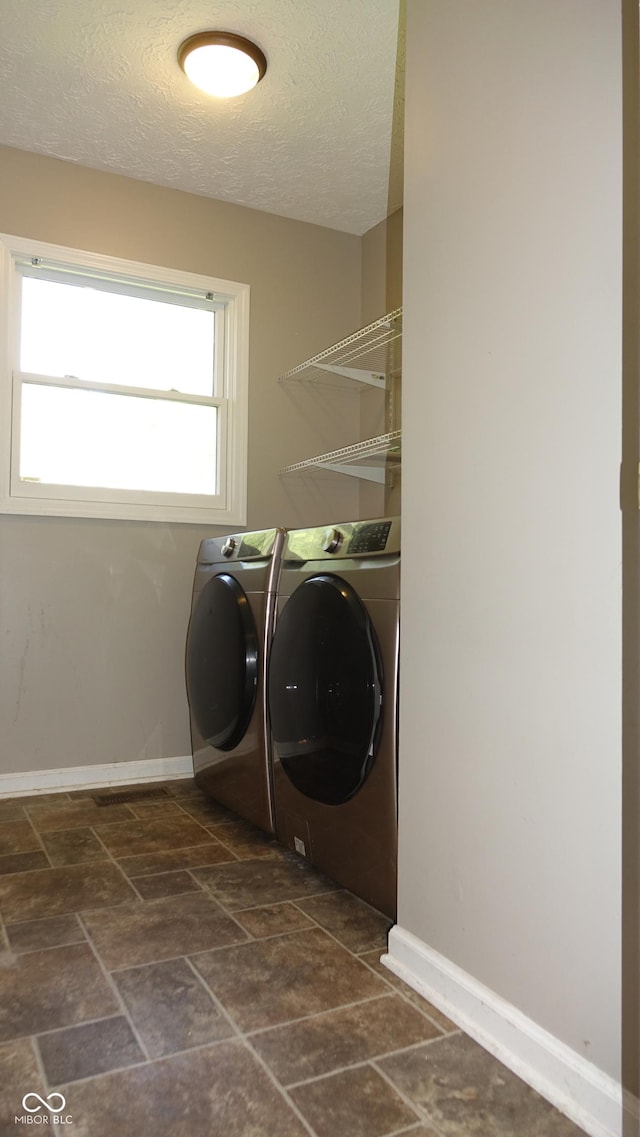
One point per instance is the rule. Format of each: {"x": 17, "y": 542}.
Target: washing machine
{"x": 332, "y": 698}
{"x": 227, "y": 649}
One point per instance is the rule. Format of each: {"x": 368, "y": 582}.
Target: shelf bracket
{"x": 372, "y": 378}
{"x": 367, "y": 473}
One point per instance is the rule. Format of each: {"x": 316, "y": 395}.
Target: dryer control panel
{"x": 259, "y": 546}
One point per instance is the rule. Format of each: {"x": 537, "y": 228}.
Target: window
{"x": 124, "y": 388}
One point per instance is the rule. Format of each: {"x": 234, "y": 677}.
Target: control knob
{"x": 332, "y": 541}
{"x": 229, "y": 546}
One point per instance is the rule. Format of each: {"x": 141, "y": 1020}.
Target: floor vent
{"x": 130, "y": 796}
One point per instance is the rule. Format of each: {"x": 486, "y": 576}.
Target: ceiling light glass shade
{"x": 222, "y": 63}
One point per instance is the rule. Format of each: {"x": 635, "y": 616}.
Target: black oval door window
{"x": 325, "y": 690}
{"x": 222, "y": 662}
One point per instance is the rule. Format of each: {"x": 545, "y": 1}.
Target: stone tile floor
{"x": 169, "y": 969}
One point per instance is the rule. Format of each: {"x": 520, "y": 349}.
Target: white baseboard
{"x": 88, "y": 777}
{"x": 585, "y": 1094}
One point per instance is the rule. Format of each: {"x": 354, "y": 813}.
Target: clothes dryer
{"x": 228, "y": 644}
{"x": 332, "y": 696}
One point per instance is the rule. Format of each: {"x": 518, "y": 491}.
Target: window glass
{"x": 109, "y": 337}
{"x": 93, "y": 438}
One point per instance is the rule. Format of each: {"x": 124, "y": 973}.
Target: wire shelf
{"x": 373, "y": 459}
{"x": 369, "y": 357}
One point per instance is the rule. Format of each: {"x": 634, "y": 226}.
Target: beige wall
{"x": 510, "y": 732}
{"x": 381, "y": 293}
{"x": 631, "y": 575}
{"x": 93, "y": 614}
{"x": 382, "y": 268}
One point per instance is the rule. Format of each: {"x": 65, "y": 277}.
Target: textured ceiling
{"x": 319, "y": 139}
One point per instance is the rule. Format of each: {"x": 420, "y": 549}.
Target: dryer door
{"x": 325, "y": 690}
{"x": 222, "y": 662}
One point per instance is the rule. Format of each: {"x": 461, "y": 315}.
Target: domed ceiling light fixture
{"x": 222, "y": 63}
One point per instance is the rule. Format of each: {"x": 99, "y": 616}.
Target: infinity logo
{"x": 44, "y": 1102}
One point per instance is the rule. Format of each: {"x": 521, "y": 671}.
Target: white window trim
{"x": 231, "y": 397}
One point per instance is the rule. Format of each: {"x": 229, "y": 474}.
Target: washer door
{"x": 325, "y": 690}
{"x": 222, "y": 662}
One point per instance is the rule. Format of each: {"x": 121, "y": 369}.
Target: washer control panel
{"x": 369, "y": 537}
{"x": 332, "y": 541}
{"x": 378, "y": 537}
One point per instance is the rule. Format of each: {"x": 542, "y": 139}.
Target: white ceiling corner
{"x": 319, "y": 139}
